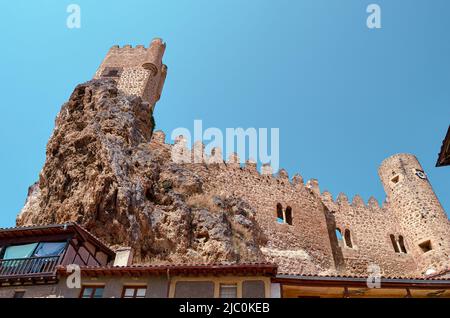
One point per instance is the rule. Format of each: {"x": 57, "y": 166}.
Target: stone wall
{"x": 32, "y": 291}
{"x": 310, "y": 245}
{"x": 418, "y": 211}
{"x": 370, "y": 227}
{"x": 299, "y": 247}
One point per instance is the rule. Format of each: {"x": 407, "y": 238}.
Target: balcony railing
{"x": 32, "y": 266}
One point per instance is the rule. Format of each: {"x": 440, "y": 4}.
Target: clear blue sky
{"x": 345, "y": 97}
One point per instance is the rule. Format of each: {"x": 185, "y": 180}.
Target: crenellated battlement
{"x": 198, "y": 155}
{"x": 157, "y": 46}
{"x": 357, "y": 203}
{"x": 215, "y": 157}
{"x": 281, "y": 179}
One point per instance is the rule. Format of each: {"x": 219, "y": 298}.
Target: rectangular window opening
{"x": 112, "y": 72}
{"x": 134, "y": 292}
{"x": 425, "y": 246}
{"x": 395, "y": 179}
{"x": 92, "y": 291}
{"x": 228, "y": 291}
{"x": 19, "y": 294}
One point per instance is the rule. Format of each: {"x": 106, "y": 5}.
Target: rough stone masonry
{"x": 109, "y": 171}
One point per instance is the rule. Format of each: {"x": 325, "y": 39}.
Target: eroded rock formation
{"x": 101, "y": 172}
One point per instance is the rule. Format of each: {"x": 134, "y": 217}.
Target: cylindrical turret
{"x": 419, "y": 212}
{"x": 155, "y": 52}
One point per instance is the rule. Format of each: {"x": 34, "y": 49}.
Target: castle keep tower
{"x": 419, "y": 213}
{"x": 137, "y": 71}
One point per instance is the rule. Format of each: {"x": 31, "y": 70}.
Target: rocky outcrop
{"x": 101, "y": 172}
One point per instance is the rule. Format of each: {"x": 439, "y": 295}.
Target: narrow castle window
{"x": 425, "y": 246}
{"x": 284, "y": 216}
{"x": 394, "y": 181}
{"x": 401, "y": 242}
{"x": 113, "y": 73}
{"x": 348, "y": 239}
{"x": 288, "y": 215}
{"x": 280, "y": 216}
{"x": 338, "y": 235}
{"x": 394, "y": 244}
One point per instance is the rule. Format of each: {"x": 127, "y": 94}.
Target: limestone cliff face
{"x": 101, "y": 172}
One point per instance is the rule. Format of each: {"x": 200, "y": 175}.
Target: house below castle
{"x": 39, "y": 262}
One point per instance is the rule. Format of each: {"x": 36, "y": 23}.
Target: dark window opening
{"x": 19, "y": 294}
{"x": 289, "y": 215}
{"x": 112, "y": 72}
{"x": 348, "y": 239}
{"x": 425, "y": 246}
{"x": 401, "y": 242}
{"x": 394, "y": 244}
{"x": 395, "y": 180}
{"x": 280, "y": 216}
{"x": 284, "y": 216}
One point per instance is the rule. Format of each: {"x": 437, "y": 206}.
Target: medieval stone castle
{"x": 308, "y": 231}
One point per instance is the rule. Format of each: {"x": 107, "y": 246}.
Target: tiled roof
{"x": 266, "y": 269}
{"x": 361, "y": 277}
{"x": 356, "y": 281}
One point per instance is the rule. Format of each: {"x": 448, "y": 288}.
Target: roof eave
{"x": 444, "y": 157}
{"x": 361, "y": 281}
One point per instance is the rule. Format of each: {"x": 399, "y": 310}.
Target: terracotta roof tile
{"x": 267, "y": 269}
{"x": 393, "y": 277}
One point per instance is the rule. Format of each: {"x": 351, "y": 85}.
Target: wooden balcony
{"x": 28, "y": 267}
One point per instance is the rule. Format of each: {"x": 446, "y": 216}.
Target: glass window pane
{"x": 129, "y": 292}
{"x": 98, "y": 292}
{"x": 87, "y": 292}
{"x": 141, "y": 292}
{"x": 228, "y": 291}
{"x": 19, "y": 251}
{"x": 50, "y": 249}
